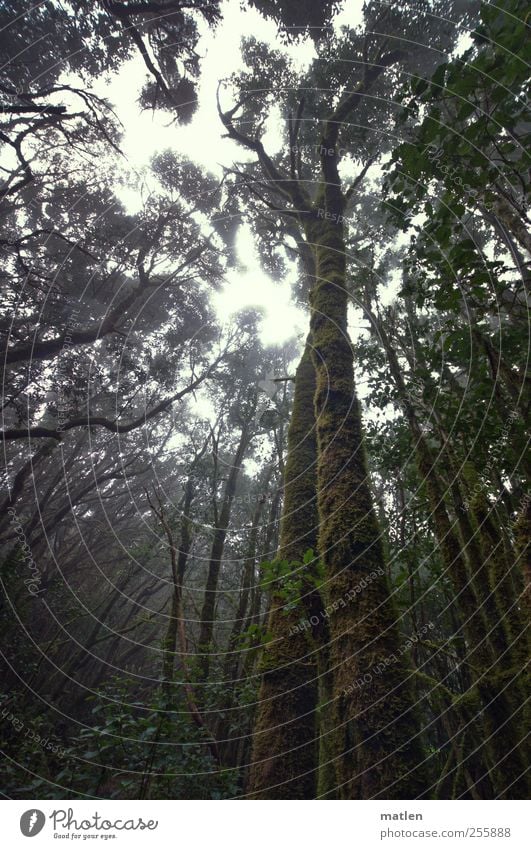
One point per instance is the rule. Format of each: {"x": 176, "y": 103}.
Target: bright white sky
{"x": 147, "y": 133}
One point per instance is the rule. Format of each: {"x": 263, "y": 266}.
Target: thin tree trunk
{"x": 178, "y": 570}
{"x": 175, "y": 640}
{"x": 209, "y": 602}
{"x": 232, "y": 660}
{"x": 513, "y": 222}
{"x": 502, "y": 728}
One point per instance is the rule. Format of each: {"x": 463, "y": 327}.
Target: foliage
{"x": 289, "y": 580}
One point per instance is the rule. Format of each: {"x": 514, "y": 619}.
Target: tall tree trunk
{"x": 284, "y": 752}
{"x": 507, "y": 682}
{"x": 378, "y": 751}
{"x": 233, "y": 660}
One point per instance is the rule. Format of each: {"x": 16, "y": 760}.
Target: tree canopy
{"x": 239, "y": 567}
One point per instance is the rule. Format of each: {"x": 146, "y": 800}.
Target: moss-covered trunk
{"x": 235, "y": 653}
{"x": 522, "y": 539}
{"x": 505, "y": 685}
{"x": 284, "y": 751}
{"x": 469, "y": 563}
{"x": 377, "y": 745}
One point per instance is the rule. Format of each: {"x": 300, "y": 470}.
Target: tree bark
{"x": 476, "y": 602}
{"x": 378, "y": 750}
{"x": 209, "y": 602}
{"x": 284, "y": 752}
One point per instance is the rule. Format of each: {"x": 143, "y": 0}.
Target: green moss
{"x": 477, "y": 586}
{"x": 522, "y": 539}
{"x": 376, "y": 745}
{"x": 284, "y": 751}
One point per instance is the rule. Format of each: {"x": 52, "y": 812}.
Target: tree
{"x": 349, "y": 539}
{"x": 233, "y": 570}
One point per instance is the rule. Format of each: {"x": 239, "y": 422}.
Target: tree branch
{"x": 100, "y": 421}
{"x": 288, "y": 187}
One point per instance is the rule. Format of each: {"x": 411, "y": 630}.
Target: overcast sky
{"x": 146, "y": 133}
